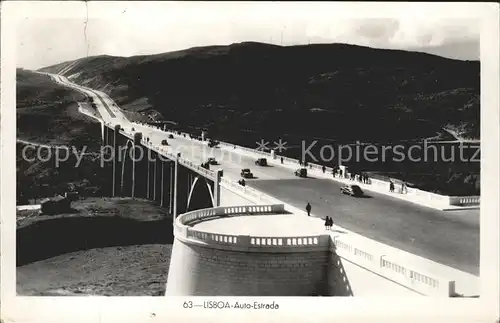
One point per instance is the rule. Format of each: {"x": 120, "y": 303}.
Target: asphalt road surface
{"x": 450, "y": 238}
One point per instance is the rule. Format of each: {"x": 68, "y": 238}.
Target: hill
{"x": 332, "y": 92}
{"x": 47, "y": 113}
{"x": 338, "y": 91}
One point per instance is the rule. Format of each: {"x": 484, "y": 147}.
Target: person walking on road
{"x": 308, "y": 209}
{"x": 330, "y": 223}
{"x": 323, "y": 169}
{"x": 327, "y": 222}
{"x": 281, "y": 160}
{"x": 391, "y": 186}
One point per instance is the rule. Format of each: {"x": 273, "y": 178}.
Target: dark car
{"x": 212, "y": 161}
{"x": 301, "y": 172}
{"x": 164, "y": 142}
{"x": 246, "y": 173}
{"x": 261, "y": 162}
{"x": 213, "y": 143}
{"x": 352, "y": 190}
{"x": 170, "y": 136}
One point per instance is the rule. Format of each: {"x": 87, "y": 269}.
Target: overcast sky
{"x": 59, "y": 33}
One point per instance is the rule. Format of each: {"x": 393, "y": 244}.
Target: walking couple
{"x": 328, "y": 223}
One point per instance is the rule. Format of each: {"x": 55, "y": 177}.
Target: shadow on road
{"x": 53, "y": 237}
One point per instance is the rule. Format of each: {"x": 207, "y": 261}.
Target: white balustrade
{"x": 387, "y": 266}
{"x": 182, "y": 228}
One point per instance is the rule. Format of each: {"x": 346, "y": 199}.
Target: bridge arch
{"x": 203, "y": 194}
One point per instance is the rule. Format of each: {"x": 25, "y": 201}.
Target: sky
{"x": 48, "y": 35}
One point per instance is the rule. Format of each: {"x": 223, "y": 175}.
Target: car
{"x": 301, "y": 172}
{"x": 213, "y": 143}
{"x": 261, "y": 162}
{"x": 352, "y": 190}
{"x": 246, "y": 173}
{"x": 212, "y": 161}
{"x": 170, "y": 136}
{"x": 164, "y": 142}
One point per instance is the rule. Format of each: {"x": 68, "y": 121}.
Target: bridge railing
{"x": 384, "y": 263}
{"x": 465, "y": 200}
{"x": 183, "y": 230}
{"x": 165, "y": 152}
{"x": 248, "y": 192}
{"x": 389, "y": 266}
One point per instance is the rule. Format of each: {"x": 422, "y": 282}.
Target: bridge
{"x": 411, "y": 229}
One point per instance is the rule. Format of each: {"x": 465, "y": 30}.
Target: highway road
{"x": 449, "y": 238}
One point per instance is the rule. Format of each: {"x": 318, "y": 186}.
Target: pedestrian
{"x": 281, "y": 160}
{"x": 300, "y": 163}
{"x": 323, "y": 169}
{"x": 330, "y": 223}
{"x": 391, "y": 186}
{"x": 327, "y": 222}
{"x": 340, "y": 173}
{"x": 308, "y": 209}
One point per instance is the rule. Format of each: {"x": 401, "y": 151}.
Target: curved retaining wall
{"x": 235, "y": 265}
{"x": 204, "y": 263}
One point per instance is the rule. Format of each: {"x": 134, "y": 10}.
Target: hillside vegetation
{"x": 47, "y": 113}
{"x": 334, "y": 91}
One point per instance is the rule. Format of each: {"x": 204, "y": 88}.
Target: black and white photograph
{"x": 287, "y": 153}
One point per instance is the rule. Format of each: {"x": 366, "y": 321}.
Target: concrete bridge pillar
{"x": 110, "y": 131}
{"x": 217, "y": 188}
{"x": 171, "y": 188}
{"x": 149, "y": 182}
{"x": 102, "y": 133}
{"x": 135, "y": 160}
{"x": 175, "y": 187}
{"x": 150, "y": 171}
{"x": 157, "y": 180}
{"x": 117, "y": 142}
{"x": 166, "y": 187}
